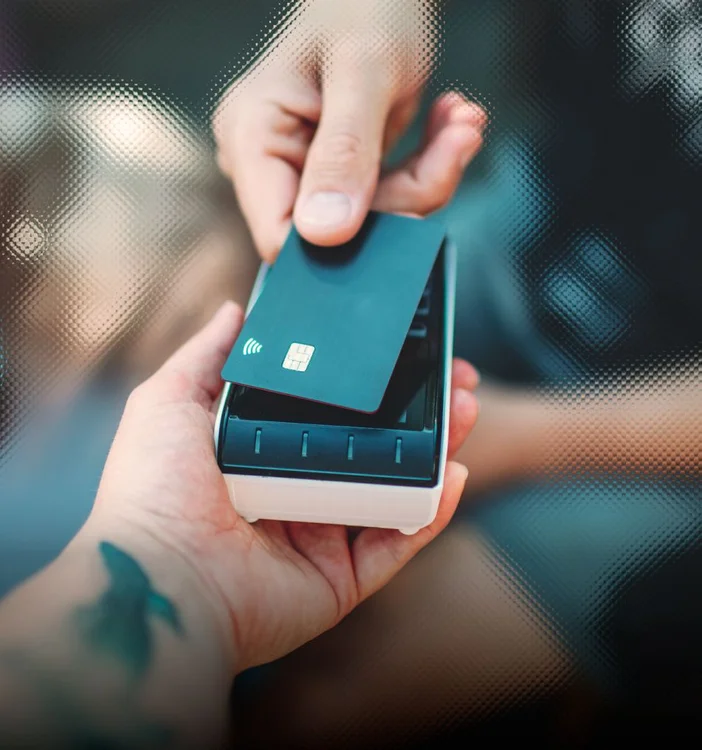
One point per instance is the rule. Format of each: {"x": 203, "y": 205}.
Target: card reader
{"x": 291, "y": 459}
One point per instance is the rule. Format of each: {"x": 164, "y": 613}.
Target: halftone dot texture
{"x": 106, "y": 195}
{"x": 579, "y": 234}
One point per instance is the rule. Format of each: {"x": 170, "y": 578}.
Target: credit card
{"x": 330, "y": 322}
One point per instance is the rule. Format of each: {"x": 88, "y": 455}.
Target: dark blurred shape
{"x": 654, "y": 625}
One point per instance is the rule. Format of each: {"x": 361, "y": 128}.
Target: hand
{"x": 304, "y": 134}
{"x": 272, "y": 585}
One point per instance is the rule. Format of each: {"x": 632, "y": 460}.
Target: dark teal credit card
{"x": 330, "y": 322}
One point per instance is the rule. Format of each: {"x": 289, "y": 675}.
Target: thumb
{"x": 342, "y": 168}
{"x": 193, "y": 372}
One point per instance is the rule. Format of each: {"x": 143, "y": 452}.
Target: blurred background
{"x": 563, "y": 603}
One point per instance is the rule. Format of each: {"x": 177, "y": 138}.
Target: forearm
{"x": 640, "y": 430}
{"x": 114, "y": 644}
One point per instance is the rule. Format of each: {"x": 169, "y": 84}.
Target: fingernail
{"x": 326, "y": 209}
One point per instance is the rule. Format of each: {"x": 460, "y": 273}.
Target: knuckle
{"x": 341, "y": 147}
{"x": 339, "y": 154}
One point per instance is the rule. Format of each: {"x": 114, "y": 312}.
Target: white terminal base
{"x": 407, "y": 509}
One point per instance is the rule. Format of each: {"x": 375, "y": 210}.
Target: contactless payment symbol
{"x": 298, "y": 357}
{"x": 252, "y": 347}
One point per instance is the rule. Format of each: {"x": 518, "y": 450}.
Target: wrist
{"x": 124, "y": 633}
{"x": 172, "y": 573}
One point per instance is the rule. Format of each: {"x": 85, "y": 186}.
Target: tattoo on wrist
{"x": 118, "y": 626}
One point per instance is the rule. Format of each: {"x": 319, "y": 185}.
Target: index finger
{"x": 263, "y": 141}
{"x": 192, "y": 373}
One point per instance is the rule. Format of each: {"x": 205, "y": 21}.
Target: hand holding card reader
{"x": 336, "y": 399}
